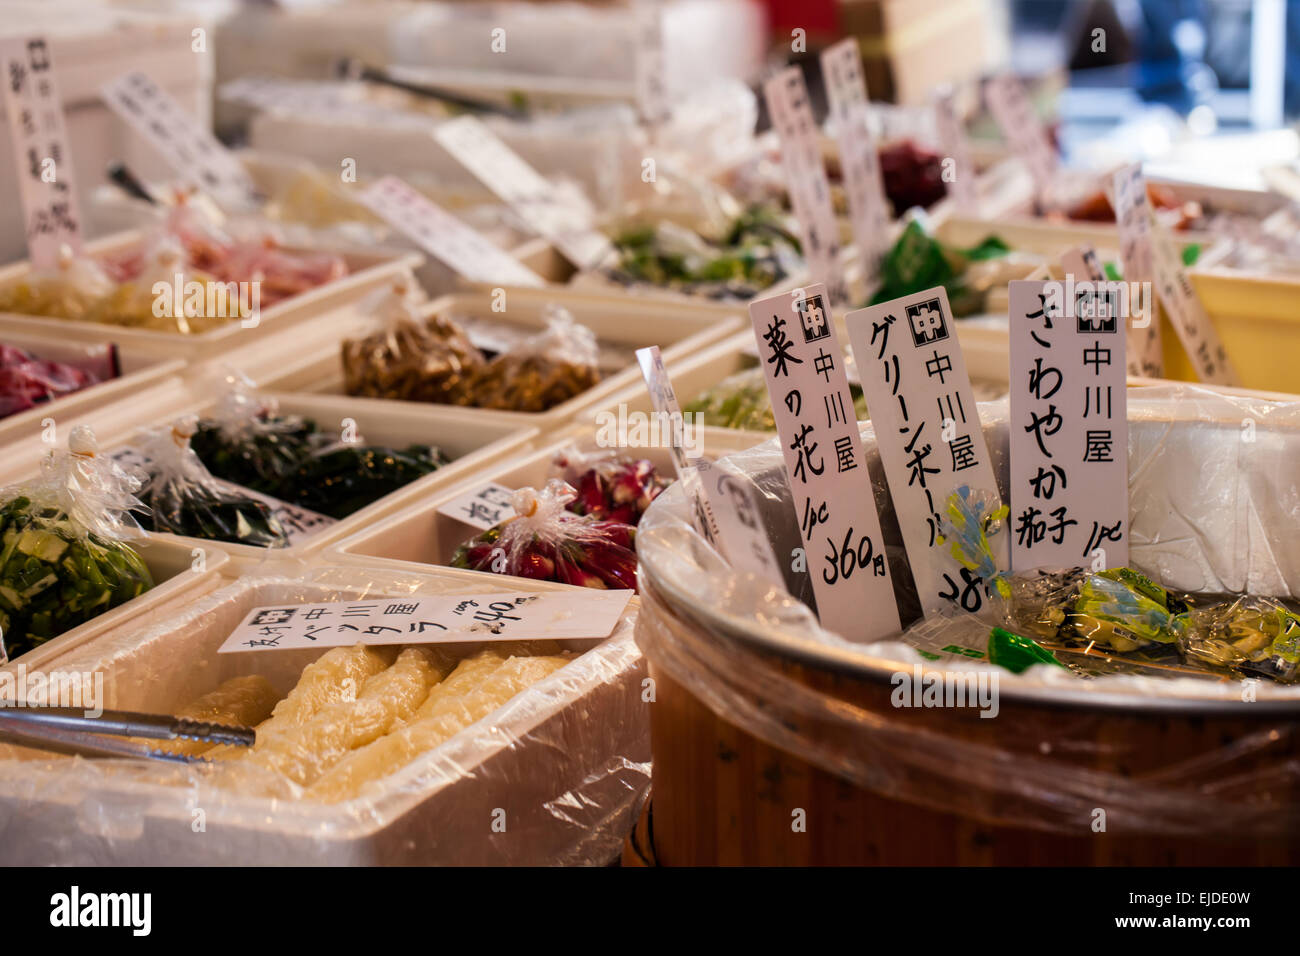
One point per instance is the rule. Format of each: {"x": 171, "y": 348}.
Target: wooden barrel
{"x": 724, "y": 796}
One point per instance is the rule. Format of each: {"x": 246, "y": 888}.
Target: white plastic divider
{"x": 367, "y": 269}
{"x": 680, "y": 329}
{"x": 492, "y": 437}
{"x": 141, "y": 367}
{"x": 582, "y": 731}
{"x": 418, "y": 536}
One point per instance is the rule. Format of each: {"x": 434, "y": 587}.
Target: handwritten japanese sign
{"x": 733, "y": 504}
{"x": 443, "y": 236}
{"x": 1069, "y": 426}
{"x": 953, "y": 141}
{"x": 827, "y": 468}
{"x": 51, "y": 216}
{"x": 482, "y": 508}
{"x": 846, "y": 90}
{"x": 928, "y": 429}
{"x": 1022, "y": 129}
{"x": 1133, "y": 216}
{"x": 650, "y": 66}
{"x": 805, "y": 176}
{"x": 561, "y": 217}
{"x": 445, "y": 619}
{"x": 191, "y": 150}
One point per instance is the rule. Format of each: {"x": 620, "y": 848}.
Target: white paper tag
{"x": 191, "y": 150}
{"x": 445, "y": 619}
{"x": 928, "y": 428}
{"x": 1186, "y": 314}
{"x": 551, "y": 212}
{"x": 1133, "y": 217}
{"x": 953, "y": 141}
{"x": 42, "y": 156}
{"x": 483, "y": 508}
{"x": 1069, "y": 426}
{"x": 825, "y": 462}
{"x": 743, "y": 539}
{"x": 1022, "y": 129}
{"x": 664, "y": 400}
{"x": 805, "y": 176}
{"x": 443, "y": 236}
{"x": 846, "y": 91}
{"x": 298, "y": 523}
{"x": 651, "y": 76}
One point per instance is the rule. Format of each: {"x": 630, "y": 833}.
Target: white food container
{"x": 119, "y": 425}
{"x": 367, "y": 269}
{"x": 567, "y": 760}
{"x": 420, "y": 535}
{"x": 92, "y": 43}
{"x": 621, "y": 326}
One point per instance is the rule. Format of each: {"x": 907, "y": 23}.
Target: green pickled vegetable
{"x": 918, "y": 261}
{"x": 1017, "y": 654}
{"x": 347, "y": 479}
{"x": 741, "y": 401}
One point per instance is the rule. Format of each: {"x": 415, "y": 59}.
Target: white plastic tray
{"x": 567, "y": 760}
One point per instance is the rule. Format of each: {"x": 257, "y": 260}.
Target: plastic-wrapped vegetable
{"x": 27, "y": 380}
{"x": 609, "y": 486}
{"x": 741, "y": 401}
{"x": 289, "y": 458}
{"x": 433, "y": 360}
{"x": 918, "y": 261}
{"x": 1252, "y": 634}
{"x": 65, "y": 556}
{"x": 183, "y": 498}
{"x": 755, "y": 253}
{"x": 548, "y": 542}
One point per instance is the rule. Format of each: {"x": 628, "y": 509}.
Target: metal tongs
{"x": 68, "y": 730}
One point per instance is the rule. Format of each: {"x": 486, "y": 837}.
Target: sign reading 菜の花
{"x": 830, "y": 485}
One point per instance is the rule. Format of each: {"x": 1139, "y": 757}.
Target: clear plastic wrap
{"x": 28, "y": 380}
{"x": 609, "y": 486}
{"x": 66, "y": 556}
{"x": 555, "y": 775}
{"x": 1215, "y": 505}
{"x": 548, "y": 542}
{"x": 182, "y": 497}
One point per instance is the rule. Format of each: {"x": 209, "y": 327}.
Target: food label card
{"x": 445, "y": 619}
{"x": 1133, "y": 216}
{"x": 1022, "y": 129}
{"x": 42, "y": 157}
{"x": 733, "y": 503}
{"x": 560, "y": 217}
{"x": 483, "y": 508}
{"x": 805, "y": 176}
{"x": 651, "y": 77}
{"x": 1186, "y": 314}
{"x": 1069, "y": 426}
{"x": 846, "y": 90}
{"x": 830, "y": 485}
{"x": 928, "y": 429}
{"x": 443, "y": 236}
{"x": 191, "y": 150}
{"x": 953, "y": 141}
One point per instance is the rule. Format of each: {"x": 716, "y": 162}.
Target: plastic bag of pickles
{"x": 182, "y": 497}
{"x": 431, "y": 359}
{"x": 65, "y": 557}
{"x": 547, "y": 541}
{"x": 247, "y": 442}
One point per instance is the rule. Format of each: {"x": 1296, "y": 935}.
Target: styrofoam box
{"x": 140, "y": 368}
{"x": 580, "y": 735}
{"x": 620, "y": 323}
{"x": 419, "y": 535}
{"x": 367, "y": 269}
{"x": 92, "y": 43}
{"x": 470, "y": 449}
{"x": 112, "y": 210}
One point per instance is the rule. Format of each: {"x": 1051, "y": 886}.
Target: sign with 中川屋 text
{"x": 1069, "y": 426}
{"x": 928, "y": 430}
{"x": 1022, "y": 129}
{"x": 830, "y": 485}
